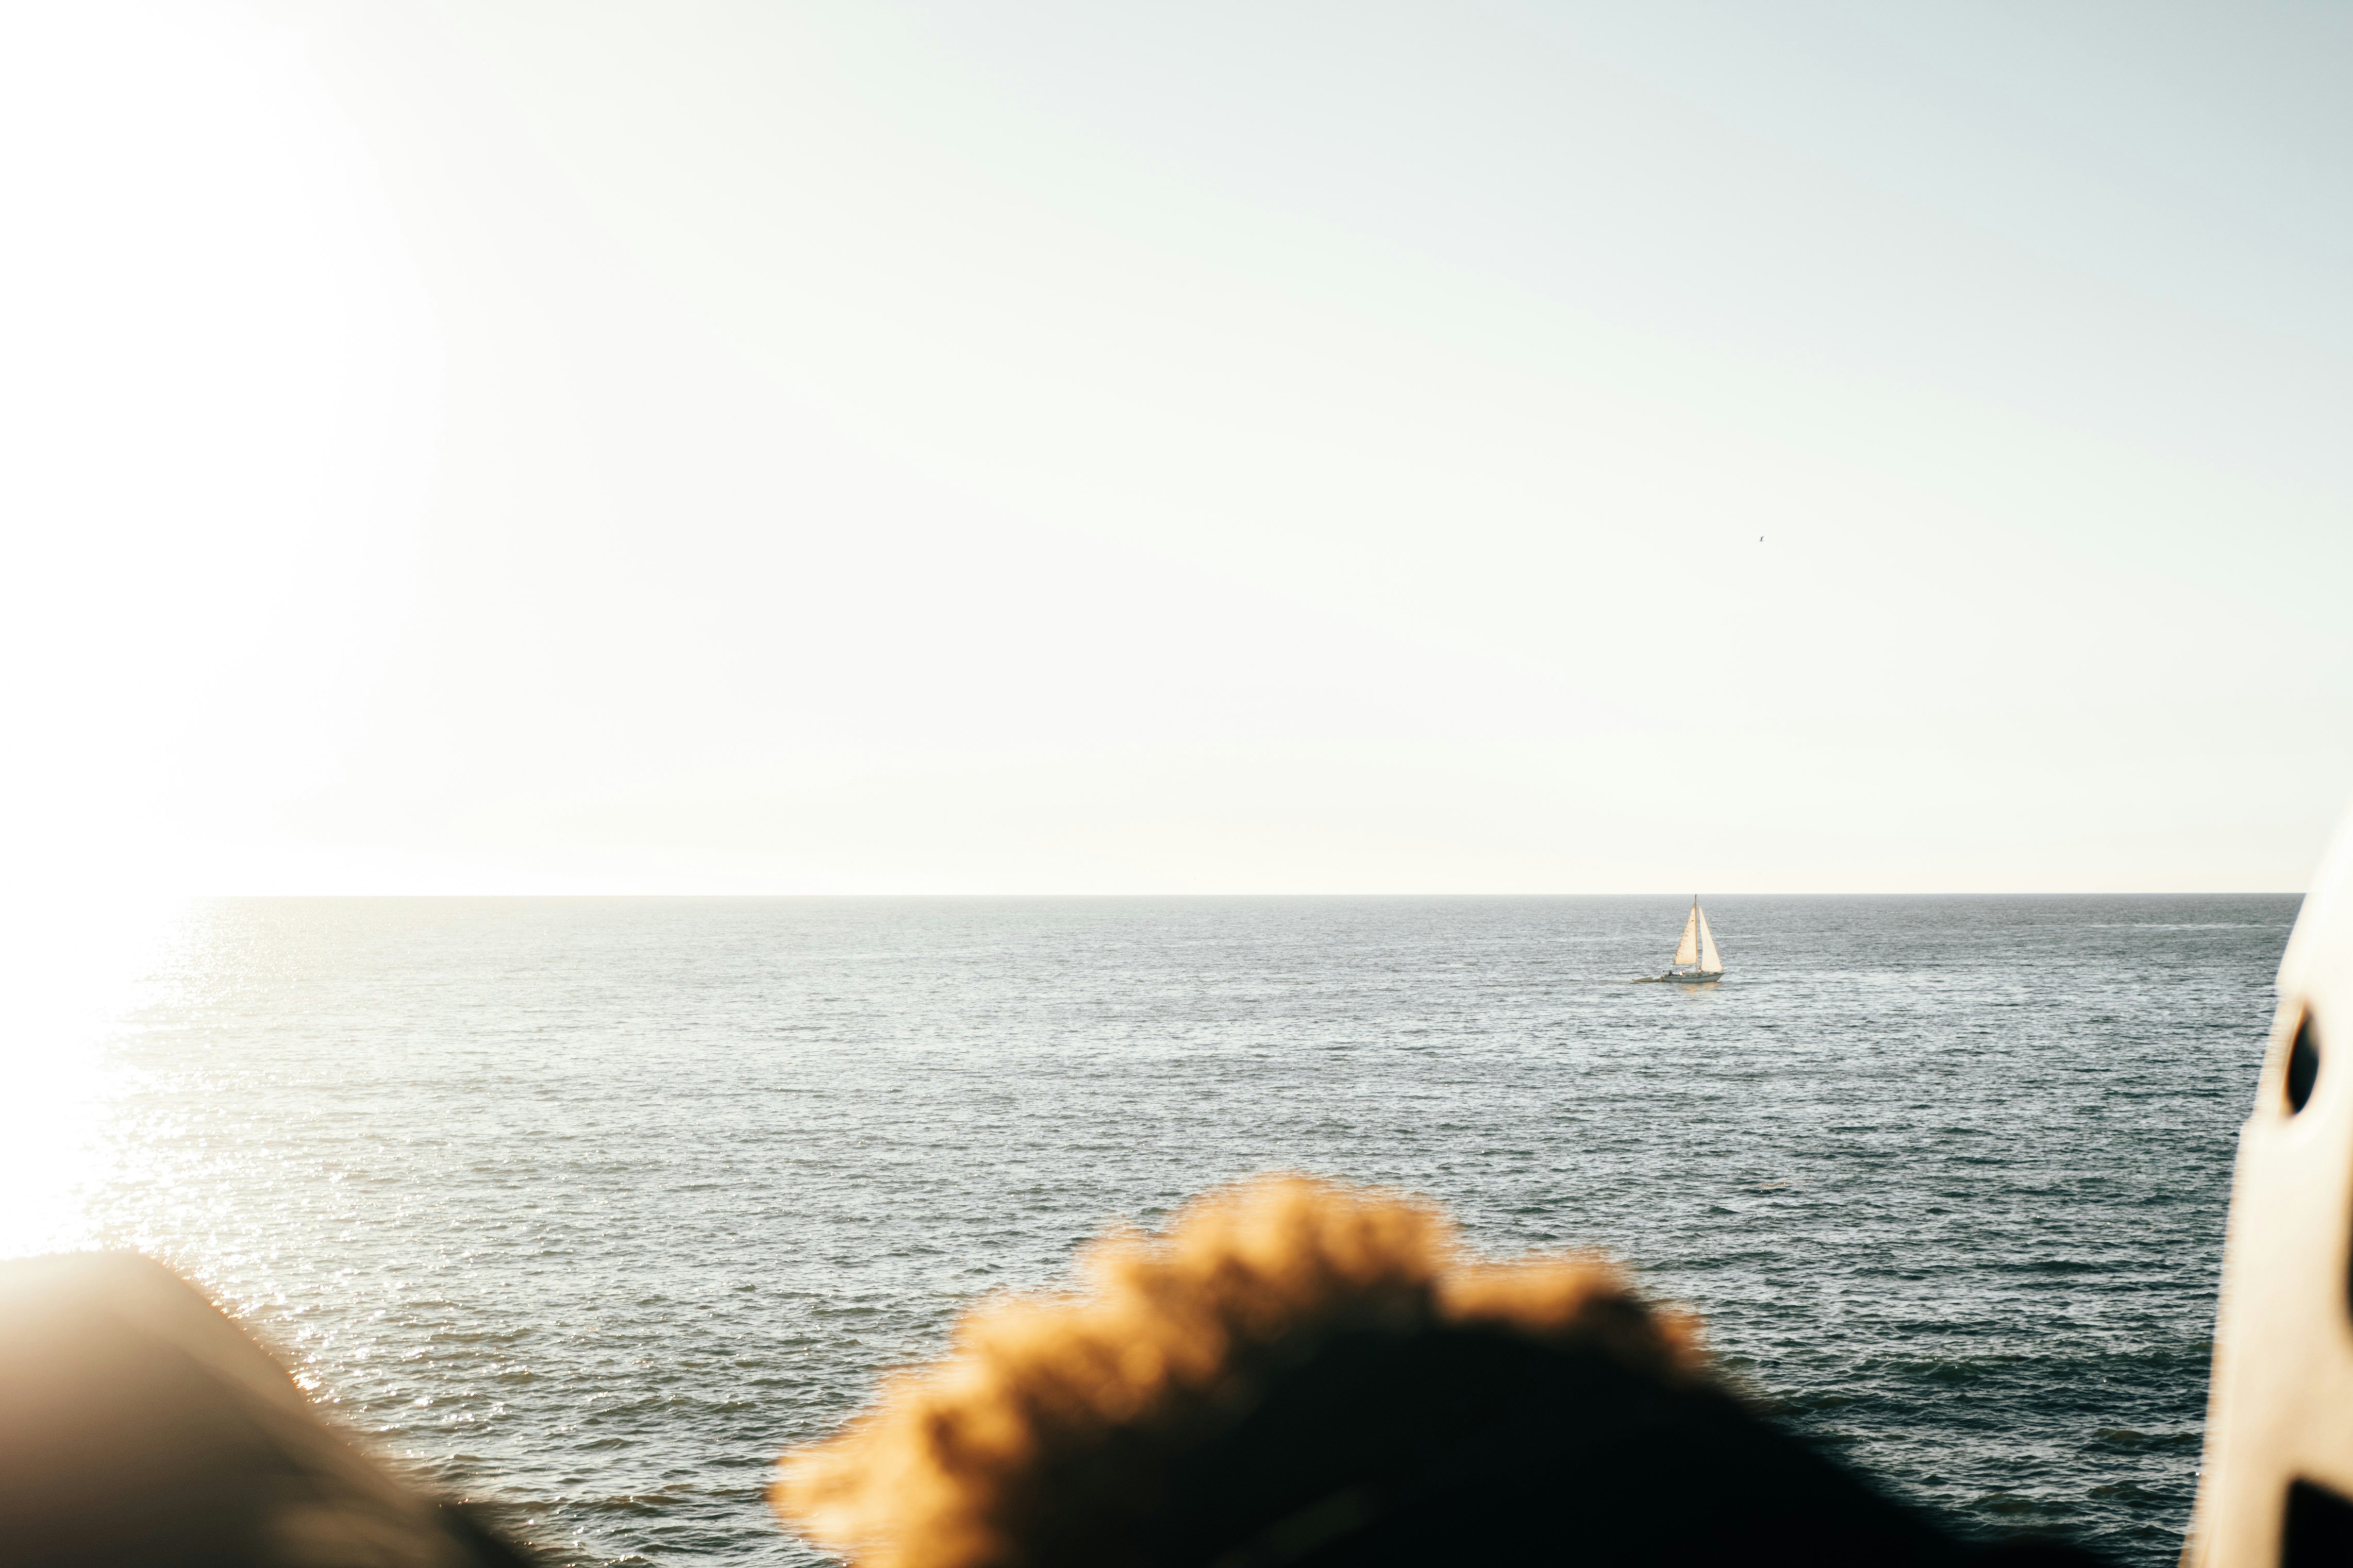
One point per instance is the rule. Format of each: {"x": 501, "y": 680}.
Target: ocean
{"x": 593, "y": 1207}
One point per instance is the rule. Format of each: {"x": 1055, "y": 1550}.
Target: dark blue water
{"x": 596, "y": 1206}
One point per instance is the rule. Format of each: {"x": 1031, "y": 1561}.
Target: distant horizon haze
{"x": 1677, "y": 898}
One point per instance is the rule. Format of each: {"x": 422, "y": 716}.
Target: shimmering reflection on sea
{"x": 597, "y": 1205}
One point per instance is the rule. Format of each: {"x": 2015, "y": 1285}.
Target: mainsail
{"x": 1697, "y": 949}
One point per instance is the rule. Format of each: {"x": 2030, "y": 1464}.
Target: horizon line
{"x": 1703, "y": 893}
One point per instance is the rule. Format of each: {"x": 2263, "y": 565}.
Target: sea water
{"x": 595, "y": 1206}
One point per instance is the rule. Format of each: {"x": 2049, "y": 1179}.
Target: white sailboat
{"x": 1695, "y": 956}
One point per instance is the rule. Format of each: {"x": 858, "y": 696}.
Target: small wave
{"x": 2124, "y": 1439}
{"x": 2188, "y": 925}
{"x": 2054, "y": 1265}
{"x": 2015, "y": 1504}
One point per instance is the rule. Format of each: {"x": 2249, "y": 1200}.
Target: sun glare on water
{"x": 77, "y": 973}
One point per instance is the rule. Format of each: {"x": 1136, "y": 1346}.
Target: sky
{"x": 1041, "y": 448}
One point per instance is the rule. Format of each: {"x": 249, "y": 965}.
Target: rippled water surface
{"x": 595, "y": 1206}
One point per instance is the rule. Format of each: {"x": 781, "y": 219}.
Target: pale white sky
{"x": 1036, "y": 446}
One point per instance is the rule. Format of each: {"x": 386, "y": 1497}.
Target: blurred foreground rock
{"x": 140, "y": 1426}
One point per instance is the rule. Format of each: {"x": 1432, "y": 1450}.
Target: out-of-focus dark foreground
{"x": 140, "y": 1426}
{"x": 1535, "y": 1413}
